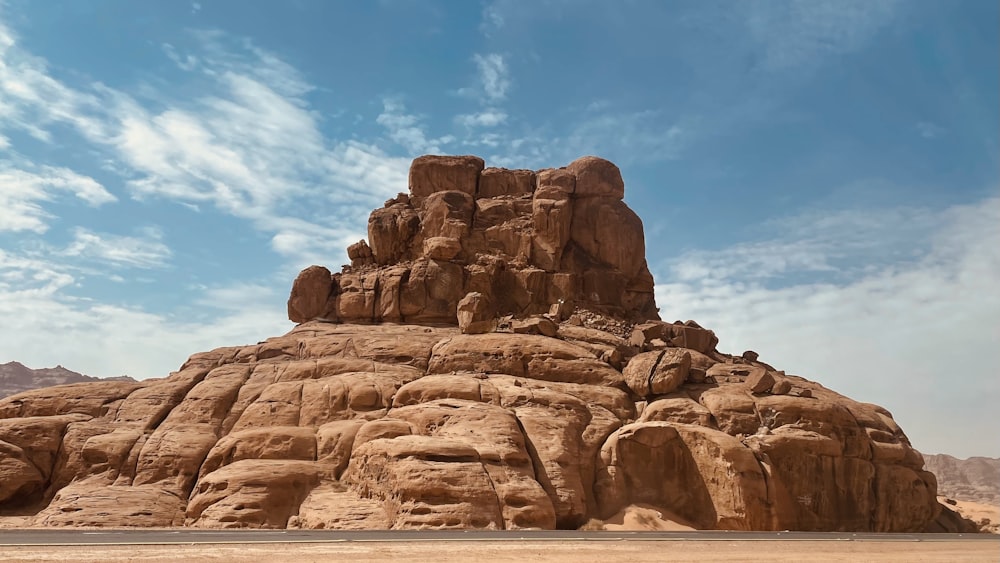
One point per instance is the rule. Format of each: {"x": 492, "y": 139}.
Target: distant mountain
{"x": 15, "y": 378}
{"x": 975, "y": 479}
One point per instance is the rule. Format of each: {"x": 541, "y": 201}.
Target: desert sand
{"x": 557, "y": 551}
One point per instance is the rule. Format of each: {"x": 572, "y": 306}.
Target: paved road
{"x": 189, "y": 536}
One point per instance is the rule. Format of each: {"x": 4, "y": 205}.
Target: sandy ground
{"x": 977, "y": 511}
{"x": 520, "y": 551}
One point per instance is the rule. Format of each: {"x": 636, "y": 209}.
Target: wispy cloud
{"x": 25, "y": 186}
{"x": 799, "y": 32}
{"x": 102, "y": 339}
{"x": 407, "y": 130}
{"x": 250, "y": 146}
{"x": 494, "y": 76}
{"x": 146, "y": 251}
{"x": 486, "y": 118}
{"x": 929, "y": 130}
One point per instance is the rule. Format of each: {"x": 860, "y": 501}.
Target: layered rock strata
{"x": 491, "y": 359}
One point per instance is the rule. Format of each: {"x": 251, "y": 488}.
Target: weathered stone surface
{"x": 535, "y": 325}
{"x": 252, "y": 493}
{"x": 524, "y": 240}
{"x": 310, "y": 292}
{"x": 500, "y": 182}
{"x": 596, "y": 177}
{"x": 760, "y": 381}
{"x": 376, "y": 411}
{"x": 606, "y": 229}
{"x": 657, "y": 373}
{"x": 92, "y": 503}
{"x": 431, "y": 174}
{"x": 391, "y": 230}
{"x": 523, "y": 355}
{"x": 475, "y": 314}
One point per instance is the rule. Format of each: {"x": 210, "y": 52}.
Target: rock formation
{"x": 15, "y": 378}
{"x": 523, "y": 240}
{"x": 492, "y": 358}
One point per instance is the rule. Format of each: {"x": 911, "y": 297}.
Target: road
{"x": 38, "y": 537}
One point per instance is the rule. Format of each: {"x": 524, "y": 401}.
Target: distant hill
{"x": 15, "y": 378}
{"x": 975, "y": 479}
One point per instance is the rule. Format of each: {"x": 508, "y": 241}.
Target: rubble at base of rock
{"x": 489, "y": 360}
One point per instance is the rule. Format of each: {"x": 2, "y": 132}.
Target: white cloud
{"x": 628, "y": 136}
{"x": 907, "y": 334}
{"x": 406, "y": 129}
{"x": 250, "y": 146}
{"x": 493, "y": 76}
{"x": 24, "y": 187}
{"x": 107, "y": 340}
{"x": 41, "y": 311}
{"x": 487, "y": 118}
{"x": 147, "y": 251}
{"x": 799, "y": 32}
{"x": 492, "y": 19}
{"x": 929, "y": 130}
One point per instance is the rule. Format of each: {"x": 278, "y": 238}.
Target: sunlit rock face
{"x": 492, "y": 358}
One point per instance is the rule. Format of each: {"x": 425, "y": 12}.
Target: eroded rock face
{"x": 523, "y": 240}
{"x": 349, "y": 422}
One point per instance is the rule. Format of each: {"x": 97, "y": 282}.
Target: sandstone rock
{"x": 675, "y": 334}
{"x": 475, "y": 316}
{"x": 441, "y": 248}
{"x": 360, "y": 254}
{"x": 376, "y": 411}
{"x": 252, "y": 493}
{"x": 536, "y": 325}
{"x": 431, "y": 174}
{"x": 596, "y": 177}
{"x": 310, "y": 292}
{"x": 500, "y": 182}
{"x": 466, "y": 229}
{"x": 391, "y": 230}
{"x": 93, "y": 504}
{"x": 677, "y": 409}
{"x": 522, "y": 355}
{"x": 606, "y": 229}
{"x": 760, "y": 381}
{"x": 657, "y": 373}
{"x": 781, "y": 387}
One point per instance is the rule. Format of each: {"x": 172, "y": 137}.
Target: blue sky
{"x": 818, "y": 179}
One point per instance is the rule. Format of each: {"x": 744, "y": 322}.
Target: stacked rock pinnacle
{"x": 492, "y": 358}
{"x": 524, "y": 241}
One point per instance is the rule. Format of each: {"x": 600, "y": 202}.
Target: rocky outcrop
{"x": 16, "y": 378}
{"x": 523, "y": 240}
{"x": 452, "y": 377}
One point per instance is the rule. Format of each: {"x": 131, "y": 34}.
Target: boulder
{"x": 475, "y": 316}
{"x": 657, "y": 373}
{"x": 310, "y": 292}
{"x": 596, "y": 177}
